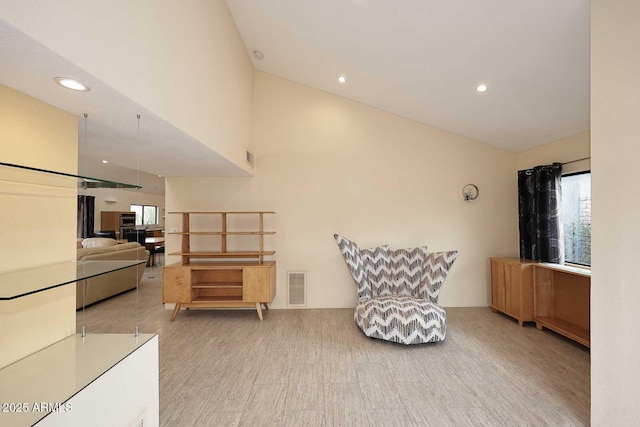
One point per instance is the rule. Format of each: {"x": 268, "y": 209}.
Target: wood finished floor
{"x": 316, "y": 368}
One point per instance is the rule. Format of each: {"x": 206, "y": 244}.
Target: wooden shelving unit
{"x": 562, "y": 297}
{"x": 186, "y": 253}
{"x": 219, "y": 282}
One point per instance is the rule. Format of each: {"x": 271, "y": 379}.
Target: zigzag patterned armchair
{"x": 398, "y": 291}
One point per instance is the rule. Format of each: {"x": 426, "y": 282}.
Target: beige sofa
{"x": 107, "y": 285}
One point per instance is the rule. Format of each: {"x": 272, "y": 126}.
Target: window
{"x": 145, "y": 215}
{"x": 576, "y": 214}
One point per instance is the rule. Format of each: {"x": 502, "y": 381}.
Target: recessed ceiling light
{"x": 72, "y": 84}
{"x": 342, "y": 79}
{"x": 105, "y": 161}
{"x": 159, "y": 176}
{"x": 258, "y": 55}
{"x": 482, "y": 88}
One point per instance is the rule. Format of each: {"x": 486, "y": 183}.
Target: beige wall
{"x": 182, "y": 60}
{"x": 564, "y": 150}
{"x": 615, "y": 287}
{"x": 123, "y": 201}
{"x": 37, "y": 219}
{"x": 328, "y": 165}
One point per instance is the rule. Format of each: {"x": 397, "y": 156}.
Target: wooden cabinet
{"x": 197, "y": 283}
{"x": 220, "y": 284}
{"x": 512, "y": 288}
{"x": 120, "y": 222}
{"x": 562, "y": 300}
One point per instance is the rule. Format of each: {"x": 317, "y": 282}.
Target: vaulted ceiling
{"x": 423, "y": 59}
{"x": 420, "y": 59}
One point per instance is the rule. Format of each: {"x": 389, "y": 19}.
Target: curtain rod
{"x": 578, "y": 160}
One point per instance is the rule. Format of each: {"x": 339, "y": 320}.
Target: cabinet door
{"x": 497, "y": 285}
{"x": 255, "y": 284}
{"x": 512, "y": 289}
{"x": 176, "y": 284}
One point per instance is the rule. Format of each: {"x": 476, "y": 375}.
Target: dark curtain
{"x": 540, "y": 214}
{"x": 86, "y": 207}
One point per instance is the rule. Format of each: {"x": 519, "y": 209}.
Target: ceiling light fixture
{"x": 258, "y": 55}
{"x": 342, "y": 79}
{"x": 159, "y": 176}
{"x": 482, "y": 88}
{"x": 105, "y": 161}
{"x": 72, "y": 84}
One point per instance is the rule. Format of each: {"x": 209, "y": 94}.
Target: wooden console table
{"x": 562, "y": 296}
{"x": 219, "y": 284}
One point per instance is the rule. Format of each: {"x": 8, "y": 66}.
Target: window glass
{"x": 145, "y": 215}
{"x": 576, "y": 213}
{"x": 138, "y": 210}
{"x": 150, "y": 215}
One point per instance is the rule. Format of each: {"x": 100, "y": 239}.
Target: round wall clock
{"x": 470, "y": 192}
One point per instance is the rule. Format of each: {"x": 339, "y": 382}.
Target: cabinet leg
{"x": 175, "y": 311}
{"x": 495, "y": 310}
{"x": 259, "y": 309}
{"x": 520, "y": 323}
{"x": 266, "y": 306}
{"x": 539, "y": 326}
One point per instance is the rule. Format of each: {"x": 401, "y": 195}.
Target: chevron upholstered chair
{"x": 398, "y": 291}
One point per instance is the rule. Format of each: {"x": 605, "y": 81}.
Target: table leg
{"x": 175, "y": 311}
{"x": 259, "y": 309}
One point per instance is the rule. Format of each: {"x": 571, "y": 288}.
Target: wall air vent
{"x": 297, "y": 288}
{"x": 250, "y": 158}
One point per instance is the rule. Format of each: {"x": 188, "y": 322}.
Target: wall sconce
{"x": 110, "y": 200}
{"x": 470, "y": 192}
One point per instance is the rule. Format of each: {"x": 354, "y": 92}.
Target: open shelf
{"x": 34, "y": 176}
{"x": 218, "y": 285}
{"x": 20, "y": 283}
{"x": 565, "y": 328}
{"x": 226, "y": 233}
{"x": 187, "y": 252}
{"x": 225, "y": 212}
{"x": 217, "y": 254}
{"x": 562, "y": 300}
{"x": 227, "y": 298}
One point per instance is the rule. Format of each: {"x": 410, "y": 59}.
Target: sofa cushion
{"x": 128, "y": 249}
{"x": 404, "y": 320}
{"x": 434, "y": 272}
{"x": 81, "y": 253}
{"x": 351, "y": 253}
{"x": 126, "y": 246}
{"x": 406, "y": 271}
{"x": 377, "y": 266}
{"x": 98, "y": 242}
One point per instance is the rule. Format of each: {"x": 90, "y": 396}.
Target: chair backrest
{"x": 136, "y": 236}
{"x": 406, "y": 271}
{"x": 381, "y": 272}
{"x": 351, "y": 253}
{"x": 110, "y": 234}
